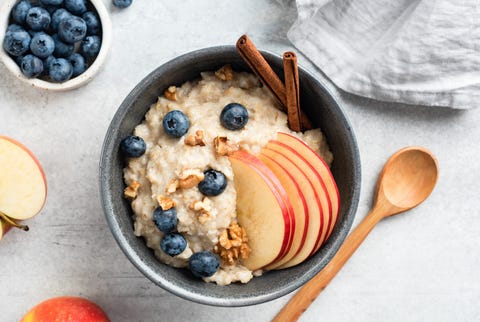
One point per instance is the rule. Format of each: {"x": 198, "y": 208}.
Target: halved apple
{"x": 315, "y": 196}
{"x": 3, "y": 228}
{"x": 263, "y": 210}
{"x": 23, "y": 187}
{"x": 299, "y": 204}
{"x": 307, "y": 153}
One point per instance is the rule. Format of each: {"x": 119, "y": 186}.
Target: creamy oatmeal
{"x": 171, "y": 168}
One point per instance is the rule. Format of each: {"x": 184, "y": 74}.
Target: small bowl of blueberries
{"x": 55, "y": 45}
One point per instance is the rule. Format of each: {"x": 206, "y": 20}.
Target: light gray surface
{"x": 420, "y": 266}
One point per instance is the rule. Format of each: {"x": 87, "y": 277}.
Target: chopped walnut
{"x": 204, "y": 217}
{"x": 189, "y": 178}
{"x": 171, "y": 93}
{"x": 196, "y": 139}
{"x": 130, "y": 192}
{"x": 203, "y": 207}
{"x": 223, "y": 146}
{"x": 225, "y": 73}
{"x": 172, "y": 186}
{"x": 165, "y": 202}
{"x": 232, "y": 244}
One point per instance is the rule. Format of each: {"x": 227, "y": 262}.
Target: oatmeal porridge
{"x": 168, "y": 175}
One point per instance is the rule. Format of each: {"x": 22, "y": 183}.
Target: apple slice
{"x": 23, "y": 187}
{"x": 315, "y": 196}
{"x": 263, "y": 210}
{"x": 321, "y": 166}
{"x": 299, "y": 204}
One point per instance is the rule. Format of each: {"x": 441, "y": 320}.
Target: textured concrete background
{"x": 420, "y": 266}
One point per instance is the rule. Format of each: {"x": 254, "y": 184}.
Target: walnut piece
{"x": 172, "y": 186}
{"x": 189, "y": 178}
{"x": 223, "y": 146}
{"x": 165, "y": 202}
{"x": 196, "y": 139}
{"x": 203, "y": 207}
{"x": 131, "y": 191}
{"x": 171, "y": 93}
{"x": 232, "y": 244}
{"x": 225, "y": 73}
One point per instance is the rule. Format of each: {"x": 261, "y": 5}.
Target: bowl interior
{"x": 317, "y": 103}
{"x": 75, "y": 82}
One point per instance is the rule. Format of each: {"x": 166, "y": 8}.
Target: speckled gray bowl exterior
{"x": 317, "y": 102}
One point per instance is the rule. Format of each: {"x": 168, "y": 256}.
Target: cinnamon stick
{"x": 262, "y": 69}
{"x": 267, "y": 76}
{"x": 292, "y": 87}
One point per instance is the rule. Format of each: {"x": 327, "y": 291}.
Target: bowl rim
{"x": 80, "y": 80}
{"x": 134, "y": 257}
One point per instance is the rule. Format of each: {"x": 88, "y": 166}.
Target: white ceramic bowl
{"x": 76, "y": 82}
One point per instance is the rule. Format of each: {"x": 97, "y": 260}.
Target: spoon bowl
{"x": 407, "y": 178}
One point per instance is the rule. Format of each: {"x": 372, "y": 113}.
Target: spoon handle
{"x": 309, "y": 292}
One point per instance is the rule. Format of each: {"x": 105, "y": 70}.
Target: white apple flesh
{"x": 23, "y": 187}
{"x": 299, "y": 204}
{"x": 263, "y": 210}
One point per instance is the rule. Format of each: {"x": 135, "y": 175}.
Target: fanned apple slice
{"x": 298, "y": 202}
{"x": 263, "y": 210}
{"x": 313, "y": 158}
{"x": 23, "y": 187}
{"x": 316, "y": 226}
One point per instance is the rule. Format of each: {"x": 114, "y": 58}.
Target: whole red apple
{"x": 66, "y": 309}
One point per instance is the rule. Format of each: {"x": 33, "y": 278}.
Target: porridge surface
{"x": 168, "y": 158}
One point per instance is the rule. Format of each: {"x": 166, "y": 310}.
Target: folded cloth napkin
{"x": 423, "y": 52}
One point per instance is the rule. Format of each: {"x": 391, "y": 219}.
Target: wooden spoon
{"x": 406, "y": 180}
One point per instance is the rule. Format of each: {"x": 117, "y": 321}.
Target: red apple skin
{"x": 66, "y": 309}
{"x": 34, "y": 158}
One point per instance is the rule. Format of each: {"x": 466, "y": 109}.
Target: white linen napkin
{"x": 422, "y": 52}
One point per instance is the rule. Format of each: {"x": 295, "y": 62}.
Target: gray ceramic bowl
{"x": 318, "y": 103}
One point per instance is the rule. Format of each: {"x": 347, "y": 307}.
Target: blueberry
{"x": 31, "y": 66}
{"x": 57, "y": 16}
{"x": 19, "y": 11}
{"x": 122, "y": 3}
{"x": 213, "y": 184}
{"x": 62, "y": 49}
{"x": 90, "y": 46}
{"x": 51, "y": 9}
{"x": 78, "y": 63}
{"x": 60, "y": 70}
{"x": 46, "y": 64}
{"x": 203, "y": 264}
{"x": 42, "y": 45}
{"x": 173, "y": 244}
{"x": 234, "y": 116}
{"x": 77, "y": 7}
{"x": 93, "y": 23}
{"x": 72, "y": 29}
{"x": 38, "y": 18}
{"x": 165, "y": 220}
{"x": 16, "y": 43}
{"x": 33, "y": 33}
{"x": 133, "y": 146}
{"x": 51, "y": 2}
{"x": 176, "y": 123}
